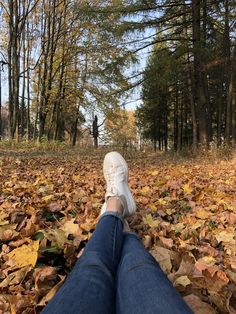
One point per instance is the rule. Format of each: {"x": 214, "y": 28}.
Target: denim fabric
{"x": 116, "y": 274}
{"x": 142, "y": 287}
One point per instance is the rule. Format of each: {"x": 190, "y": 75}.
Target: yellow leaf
{"x": 187, "y": 189}
{"x": 197, "y": 225}
{"x": 76, "y": 178}
{"x": 208, "y": 260}
{"x": 88, "y": 225}
{"x": 2, "y": 218}
{"x": 162, "y": 201}
{"x": 47, "y": 198}
{"x": 155, "y": 173}
{"x": 148, "y": 220}
{"x": 70, "y": 227}
{"x": 178, "y": 227}
{"x": 225, "y": 236}
{"x": 152, "y": 207}
{"x": 145, "y": 190}
{"x": 202, "y": 214}
{"x": 13, "y": 311}
{"x": 25, "y": 254}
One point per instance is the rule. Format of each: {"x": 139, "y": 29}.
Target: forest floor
{"x": 186, "y": 217}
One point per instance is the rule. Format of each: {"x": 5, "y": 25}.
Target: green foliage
{"x": 158, "y": 78}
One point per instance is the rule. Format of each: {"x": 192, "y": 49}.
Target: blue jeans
{"x": 116, "y": 274}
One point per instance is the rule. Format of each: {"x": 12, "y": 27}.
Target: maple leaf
{"x": 225, "y": 237}
{"x": 202, "y": 214}
{"x": 187, "y": 189}
{"x": 24, "y": 255}
{"x": 148, "y": 220}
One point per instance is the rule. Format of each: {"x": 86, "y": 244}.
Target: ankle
{"x": 114, "y": 204}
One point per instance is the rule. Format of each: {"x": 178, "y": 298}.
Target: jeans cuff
{"x": 115, "y": 214}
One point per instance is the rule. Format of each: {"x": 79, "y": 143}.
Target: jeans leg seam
{"x": 114, "y": 241}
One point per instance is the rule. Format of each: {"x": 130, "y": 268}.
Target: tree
{"x": 192, "y": 31}
{"x": 121, "y": 128}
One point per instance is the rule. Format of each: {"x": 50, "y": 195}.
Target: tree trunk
{"x": 176, "y": 119}
{"x": 200, "y": 96}
{"x": 229, "y": 77}
{"x": 28, "y": 85}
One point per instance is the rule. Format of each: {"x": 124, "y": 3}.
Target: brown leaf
{"x": 186, "y": 266}
{"x": 216, "y": 279}
{"x": 54, "y": 207}
{"x": 163, "y": 257}
{"x": 52, "y": 292}
{"x": 168, "y": 243}
{"x": 44, "y": 278}
{"x": 197, "y": 305}
{"x": 15, "y": 277}
{"x": 147, "y": 241}
{"x": 181, "y": 283}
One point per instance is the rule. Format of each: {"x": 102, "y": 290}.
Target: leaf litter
{"x": 186, "y": 218}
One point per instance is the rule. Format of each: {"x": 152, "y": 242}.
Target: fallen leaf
{"x": 225, "y": 237}
{"x": 182, "y": 282}
{"x": 24, "y": 255}
{"x": 197, "y": 305}
{"x": 13, "y": 311}
{"x": 163, "y": 257}
{"x": 15, "y": 277}
{"x": 70, "y": 227}
{"x": 145, "y": 190}
{"x": 167, "y": 242}
{"x": 202, "y": 214}
{"x": 52, "y": 292}
{"x": 43, "y": 276}
{"x": 187, "y": 189}
{"x": 148, "y": 220}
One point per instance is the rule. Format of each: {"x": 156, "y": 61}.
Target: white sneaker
{"x": 115, "y": 170}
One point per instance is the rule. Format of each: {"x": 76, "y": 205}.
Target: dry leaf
{"x": 163, "y": 257}
{"x": 69, "y": 227}
{"x": 24, "y": 255}
{"x": 182, "y": 282}
{"x": 225, "y": 237}
{"x": 16, "y": 277}
{"x": 148, "y": 220}
{"x": 197, "y": 305}
{"x": 52, "y": 292}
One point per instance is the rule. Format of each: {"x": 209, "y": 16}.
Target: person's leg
{"x": 90, "y": 287}
{"x": 142, "y": 287}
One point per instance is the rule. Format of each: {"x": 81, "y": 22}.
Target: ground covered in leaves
{"x": 186, "y": 217}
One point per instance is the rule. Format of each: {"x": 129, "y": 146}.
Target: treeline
{"x": 57, "y": 60}
{"x": 189, "y": 84}
{"x": 189, "y": 89}
{"x": 65, "y": 57}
